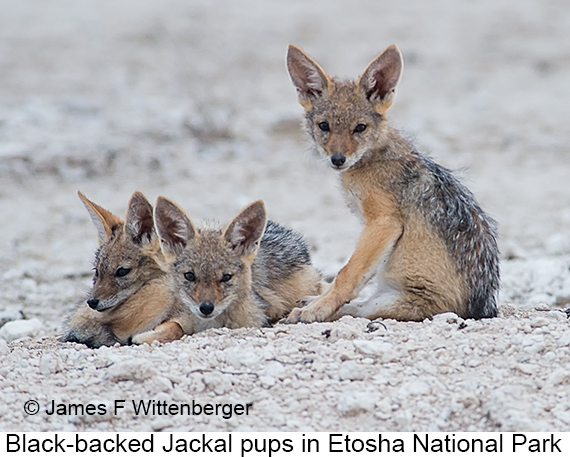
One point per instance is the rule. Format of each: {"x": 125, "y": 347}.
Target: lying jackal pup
{"x": 425, "y": 238}
{"x": 131, "y": 301}
{"x": 248, "y": 275}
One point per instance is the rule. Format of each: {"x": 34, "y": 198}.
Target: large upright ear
{"x": 174, "y": 227}
{"x": 381, "y": 77}
{"x": 307, "y": 76}
{"x": 105, "y": 221}
{"x": 139, "y": 224}
{"x": 244, "y": 233}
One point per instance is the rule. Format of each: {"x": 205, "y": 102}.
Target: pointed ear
{"x": 174, "y": 227}
{"x": 381, "y": 77}
{"x": 245, "y": 231}
{"x": 139, "y": 224}
{"x": 307, "y": 76}
{"x": 105, "y": 221}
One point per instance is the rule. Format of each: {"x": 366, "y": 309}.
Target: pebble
{"x": 49, "y": 364}
{"x": 417, "y": 387}
{"x": 353, "y": 403}
{"x": 131, "y": 370}
{"x": 448, "y": 318}
{"x": 564, "y": 340}
{"x": 382, "y": 349}
{"x": 7, "y": 316}
{"x": 353, "y": 371}
{"x": 275, "y": 369}
{"x": 557, "y": 377}
{"x": 22, "y": 328}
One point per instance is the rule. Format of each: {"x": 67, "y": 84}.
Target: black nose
{"x": 338, "y": 160}
{"x": 207, "y": 308}
{"x": 93, "y": 302}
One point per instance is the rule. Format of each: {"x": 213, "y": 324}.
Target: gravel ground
{"x": 191, "y": 100}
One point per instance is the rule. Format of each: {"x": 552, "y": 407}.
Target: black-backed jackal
{"x": 250, "y": 274}
{"x": 425, "y": 238}
{"x": 131, "y": 300}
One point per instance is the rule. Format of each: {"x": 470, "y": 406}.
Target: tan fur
{"x": 143, "y": 314}
{"x": 254, "y": 295}
{"x": 289, "y": 293}
{"x": 397, "y": 245}
{"x": 140, "y": 303}
{"x": 165, "y": 333}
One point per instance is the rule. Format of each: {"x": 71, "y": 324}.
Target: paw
{"x": 315, "y": 309}
{"x": 142, "y": 338}
{"x": 164, "y": 333}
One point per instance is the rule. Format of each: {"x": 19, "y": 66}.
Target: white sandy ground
{"x": 191, "y": 100}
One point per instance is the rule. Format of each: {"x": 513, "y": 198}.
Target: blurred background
{"x": 191, "y": 100}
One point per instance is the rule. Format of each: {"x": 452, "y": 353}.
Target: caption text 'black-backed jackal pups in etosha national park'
{"x": 425, "y": 238}
{"x": 248, "y": 275}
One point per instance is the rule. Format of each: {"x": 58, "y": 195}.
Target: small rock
{"x": 267, "y": 381}
{"x": 160, "y": 423}
{"x": 353, "y": 403}
{"x": 539, "y": 321}
{"x": 218, "y": 382}
{"x": 23, "y": 328}
{"x": 449, "y": 318}
{"x": 557, "y": 377}
{"x": 6, "y": 316}
{"x": 49, "y": 364}
{"x": 352, "y": 371}
{"x": 161, "y": 384}
{"x": 381, "y": 349}
{"x": 275, "y": 369}
{"x": 525, "y": 368}
{"x": 473, "y": 362}
{"x": 238, "y": 357}
{"x": 131, "y": 370}
{"x": 375, "y": 326}
{"x": 417, "y": 387}
{"x": 563, "y": 341}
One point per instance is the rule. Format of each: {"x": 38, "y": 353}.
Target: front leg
{"x": 86, "y": 326}
{"x": 374, "y": 247}
{"x": 163, "y": 333}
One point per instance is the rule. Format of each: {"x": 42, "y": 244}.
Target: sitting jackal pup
{"x": 250, "y": 274}
{"x": 131, "y": 301}
{"x": 425, "y": 239}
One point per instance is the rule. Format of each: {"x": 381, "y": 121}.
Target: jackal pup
{"x": 425, "y": 238}
{"x": 130, "y": 301}
{"x": 249, "y": 274}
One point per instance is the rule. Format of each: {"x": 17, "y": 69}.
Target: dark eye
{"x": 95, "y": 273}
{"x": 359, "y": 128}
{"x": 122, "y": 272}
{"x": 226, "y": 277}
{"x": 324, "y": 126}
{"x": 190, "y": 276}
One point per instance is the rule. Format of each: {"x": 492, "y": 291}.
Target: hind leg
{"x": 302, "y": 284}
{"x": 388, "y": 302}
{"x": 383, "y": 300}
